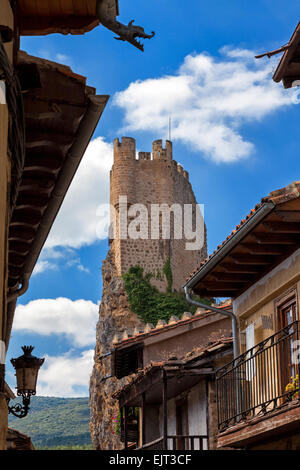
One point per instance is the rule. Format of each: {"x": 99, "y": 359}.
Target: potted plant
{"x": 293, "y": 385}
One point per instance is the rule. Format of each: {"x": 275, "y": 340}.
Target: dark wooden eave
{"x": 38, "y": 17}
{"x": 182, "y": 374}
{"x": 288, "y": 69}
{"x": 268, "y": 237}
{"x": 152, "y": 386}
{"x": 56, "y": 103}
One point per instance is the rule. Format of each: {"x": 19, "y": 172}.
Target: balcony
{"x": 261, "y": 383}
{"x": 177, "y": 443}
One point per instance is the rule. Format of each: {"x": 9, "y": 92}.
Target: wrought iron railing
{"x": 157, "y": 444}
{"x": 182, "y": 442}
{"x": 264, "y": 378}
{"x": 187, "y": 442}
{"x": 132, "y": 433}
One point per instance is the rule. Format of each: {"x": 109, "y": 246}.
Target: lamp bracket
{"x": 20, "y": 410}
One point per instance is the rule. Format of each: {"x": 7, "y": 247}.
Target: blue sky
{"x": 233, "y": 130}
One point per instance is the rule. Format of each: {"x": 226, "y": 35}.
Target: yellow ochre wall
{"x": 6, "y": 16}
{"x": 260, "y": 298}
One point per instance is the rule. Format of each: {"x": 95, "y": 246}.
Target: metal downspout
{"x": 236, "y": 347}
{"x": 227, "y": 313}
{"x": 11, "y": 306}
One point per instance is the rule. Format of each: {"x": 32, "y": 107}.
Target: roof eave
{"x": 284, "y": 61}
{"x": 265, "y": 209}
{"x": 83, "y": 136}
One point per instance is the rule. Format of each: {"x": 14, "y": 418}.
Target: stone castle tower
{"x": 146, "y": 180}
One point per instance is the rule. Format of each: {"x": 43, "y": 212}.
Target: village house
{"x": 258, "y": 266}
{"x": 47, "y": 117}
{"x": 168, "y": 400}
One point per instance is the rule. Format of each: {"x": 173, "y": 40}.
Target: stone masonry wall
{"x": 147, "y": 181}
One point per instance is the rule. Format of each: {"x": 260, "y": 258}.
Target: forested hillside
{"x": 53, "y": 422}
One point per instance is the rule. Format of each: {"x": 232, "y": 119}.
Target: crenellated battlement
{"x": 125, "y": 151}
{"x": 144, "y": 156}
{"x": 160, "y": 153}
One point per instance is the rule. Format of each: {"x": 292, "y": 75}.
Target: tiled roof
{"x": 288, "y": 69}
{"x": 161, "y": 326}
{"x": 16, "y": 440}
{"x": 279, "y": 196}
{"x": 196, "y": 353}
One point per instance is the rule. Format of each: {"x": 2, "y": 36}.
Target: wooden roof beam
{"x": 56, "y": 24}
{"x": 263, "y": 249}
{"x": 236, "y": 268}
{"x": 288, "y": 216}
{"x": 275, "y": 238}
{"x": 216, "y": 293}
{"x": 283, "y": 227}
{"x": 289, "y": 82}
{"x": 221, "y": 285}
{"x": 227, "y": 276}
{"x": 242, "y": 258}
{"x": 271, "y": 53}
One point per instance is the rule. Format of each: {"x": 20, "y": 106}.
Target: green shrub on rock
{"x": 148, "y": 303}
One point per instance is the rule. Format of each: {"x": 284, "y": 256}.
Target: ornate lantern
{"x": 27, "y": 368}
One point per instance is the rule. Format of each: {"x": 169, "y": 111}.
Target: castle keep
{"x": 151, "y": 181}
{"x": 145, "y": 180}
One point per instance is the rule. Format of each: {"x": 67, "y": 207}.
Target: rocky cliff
{"x": 114, "y": 318}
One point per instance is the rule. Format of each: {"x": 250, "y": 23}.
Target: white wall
{"x": 197, "y": 414}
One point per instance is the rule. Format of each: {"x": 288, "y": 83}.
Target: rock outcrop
{"x": 115, "y": 317}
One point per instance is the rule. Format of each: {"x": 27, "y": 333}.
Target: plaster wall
{"x": 257, "y": 311}
{"x": 259, "y": 300}
{"x": 197, "y": 414}
{"x": 6, "y": 16}
{"x": 192, "y": 335}
{"x": 152, "y": 428}
{"x": 7, "y": 19}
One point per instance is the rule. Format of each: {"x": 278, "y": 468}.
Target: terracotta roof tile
{"x": 150, "y": 329}
{"x": 211, "y": 347}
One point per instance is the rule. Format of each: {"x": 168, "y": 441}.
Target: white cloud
{"x": 62, "y": 58}
{"x": 43, "y": 266}
{"x": 47, "y": 54}
{"x": 209, "y": 99}
{"x": 77, "y": 263}
{"x": 66, "y": 375}
{"x": 77, "y": 223}
{"x": 82, "y": 268}
{"x": 76, "y": 319}
{"x": 56, "y": 258}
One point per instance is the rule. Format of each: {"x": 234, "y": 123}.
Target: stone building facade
{"x": 148, "y": 180}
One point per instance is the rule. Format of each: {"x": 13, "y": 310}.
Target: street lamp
{"x": 27, "y": 368}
